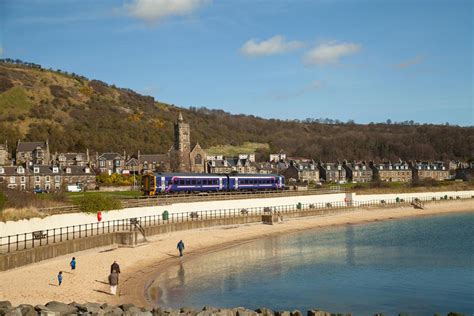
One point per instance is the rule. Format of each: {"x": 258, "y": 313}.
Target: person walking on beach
{"x": 113, "y": 282}
{"x": 60, "y": 277}
{"x": 115, "y": 266}
{"x": 73, "y": 263}
{"x": 180, "y": 248}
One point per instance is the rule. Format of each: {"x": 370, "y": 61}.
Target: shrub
{"x": 3, "y": 200}
{"x": 96, "y": 202}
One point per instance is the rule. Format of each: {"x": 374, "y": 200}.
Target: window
{"x": 117, "y": 163}
{"x": 188, "y": 182}
{"x": 37, "y": 179}
{"x": 68, "y": 170}
{"x": 198, "y": 159}
{"x": 193, "y": 182}
{"x": 23, "y": 179}
{"x": 1, "y": 179}
{"x": 47, "y": 178}
{"x": 36, "y": 169}
{"x": 12, "y": 180}
{"x": 20, "y": 170}
{"x": 181, "y": 182}
{"x": 1, "y": 170}
{"x": 23, "y": 187}
{"x": 57, "y": 178}
{"x": 102, "y": 163}
{"x": 47, "y": 187}
{"x": 55, "y": 169}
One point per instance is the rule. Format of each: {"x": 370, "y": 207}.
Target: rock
{"x": 133, "y": 311}
{"x": 92, "y": 308}
{"x": 316, "y": 312}
{"x": 14, "y": 312}
{"x": 283, "y": 313}
{"x": 5, "y": 306}
{"x": 113, "y": 311}
{"x": 296, "y": 313}
{"x": 61, "y": 308}
{"x": 225, "y": 312}
{"x": 265, "y": 311}
{"x": 44, "y": 311}
{"x": 188, "y": 311}
{"x": 27, "y": 310}
{"x": 246, "y": 312}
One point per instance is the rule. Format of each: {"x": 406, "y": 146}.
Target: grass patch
{"x": 14, "y": 100}
{"x": 245, "y": 148}
{"x": 95, "y": 203}
{"x": 74, "y": 196}
{"x": 16, "y": 214}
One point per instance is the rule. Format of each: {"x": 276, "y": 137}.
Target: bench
{"x": 194, "y": 215}
{"x": 134, "y": 221}
{"x": 39, "y": 234}
{"x": 244, "y": 212}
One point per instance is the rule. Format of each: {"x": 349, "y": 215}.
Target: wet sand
{"x": 37, "y": 283}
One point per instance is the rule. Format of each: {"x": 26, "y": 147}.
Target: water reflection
{"x": 419, "y": 264}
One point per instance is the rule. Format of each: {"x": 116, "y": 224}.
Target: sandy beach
{"x": 37, "y": 284}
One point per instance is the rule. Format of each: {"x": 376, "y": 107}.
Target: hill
{"x": 76, "y": 113}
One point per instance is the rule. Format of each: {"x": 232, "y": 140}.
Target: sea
{"x": 414, "y": 266}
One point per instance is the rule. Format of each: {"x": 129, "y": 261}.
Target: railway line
{"x": 167, "y": 199}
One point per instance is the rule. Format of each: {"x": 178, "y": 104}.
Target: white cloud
{"x": 156, "y": 10}
{"x": 286, "y": 95}
{"x": 271, "y": 46}
{"x": 330, "y": 53}
{"x": 410, "y": 62}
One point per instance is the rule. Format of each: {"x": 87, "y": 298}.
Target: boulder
{"x": 133, "y": 311}
{"x": 61, "y": 308}
{"x": 27, "y": 310}
{"x": 15, "y": 311}
{"x": 246, "y": 312}
{"x": 282, "y": 313}
{"x": 44, "y": 311}
{"x": 296, "y": 313}
{"x": 225, "y": 312}
{"x": 316, "y": 312}
{"x": 5, "y": 306}
{"x": 91, "y": 308}
{"x": 265, "y": 311}
{"x": 187, "y": 311}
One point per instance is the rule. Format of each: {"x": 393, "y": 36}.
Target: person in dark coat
{"x": 180, "y": 247}
{"x": 113, "y": 282}
{"x": 115, "y": 266}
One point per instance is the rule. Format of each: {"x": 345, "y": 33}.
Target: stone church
{"x": 181, "y": 157}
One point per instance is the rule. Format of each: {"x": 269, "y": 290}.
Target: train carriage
{"x": 157, "y": 183}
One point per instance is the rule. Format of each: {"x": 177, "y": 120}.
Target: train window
{"x": 181, "y": 182}
{"x": 193, "y": 182}
{"x": 188, "y": 182}
{"x": 170, "y": 182}
{"x": 204, "y": 182}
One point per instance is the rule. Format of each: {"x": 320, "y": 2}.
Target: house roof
{"x": 110, "y": 156}
{"x": 153, "y": 158}
{"x": 30, "y": 146}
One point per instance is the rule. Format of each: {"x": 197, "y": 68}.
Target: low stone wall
{"x": 58, "y": 308}
{"x": 28, "y": 256}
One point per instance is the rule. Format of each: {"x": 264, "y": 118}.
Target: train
{"x": 156, "y": 183}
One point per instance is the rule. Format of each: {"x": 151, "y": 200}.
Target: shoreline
{"x": 36, "y": 284}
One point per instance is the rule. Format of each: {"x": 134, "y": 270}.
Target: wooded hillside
{"x": 76, "y": 113}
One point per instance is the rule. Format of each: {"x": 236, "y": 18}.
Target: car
{"x": 74, "y": 188}
{"x": 39, "y": 191}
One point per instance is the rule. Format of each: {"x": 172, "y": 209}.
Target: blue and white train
{"x": 156, "y": 183}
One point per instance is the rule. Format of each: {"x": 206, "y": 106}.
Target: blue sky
{"x": 352, "y": 59}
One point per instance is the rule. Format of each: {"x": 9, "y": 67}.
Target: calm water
{"x": 418, "y": 266}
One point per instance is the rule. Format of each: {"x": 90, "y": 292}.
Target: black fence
{"x": 50, "y": 236}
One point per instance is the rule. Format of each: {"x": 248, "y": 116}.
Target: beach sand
{"x": 37, "y": 283}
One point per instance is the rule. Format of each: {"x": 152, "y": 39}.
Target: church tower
{"x": 182, "y": 135}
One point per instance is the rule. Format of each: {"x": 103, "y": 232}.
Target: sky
{"x": 364, "y": 60}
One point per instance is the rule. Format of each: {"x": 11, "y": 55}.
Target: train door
{"x": 163, "y": 184}
{"x": 236, "y": 183}
{"x": 280, "y": 182}
{"x": 221, "y": 185}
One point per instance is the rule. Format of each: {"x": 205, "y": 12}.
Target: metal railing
{"x": 34, "y": 239}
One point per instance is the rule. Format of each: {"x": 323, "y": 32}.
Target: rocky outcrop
{"x": 59, "y": 309}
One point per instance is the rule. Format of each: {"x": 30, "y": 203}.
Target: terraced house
{"x": 110, "y": 163}
{"x": 47, "y": 178}
{"x": 358, "y": 172}
{"x": 302, "y": 171}
{"x": 392, "y": 172}
{"x": 4, "y": 154}
{"x": 332, "y": 172}
{"x": 430, "y": 170}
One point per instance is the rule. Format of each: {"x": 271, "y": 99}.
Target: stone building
{"x": 392, "y": 172}
{"x": 48, "y": 178}
{"x": 332, "y": 172}
{"x": 4, "y": 154}
{"x": 430, "y": 170}
{"x": 33, "y": 153}
{"x": 358, "y": 172}
{"x": 110, "y": 163}
{"x": 302, "y": 171}
{"x": 71, "y": 159}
